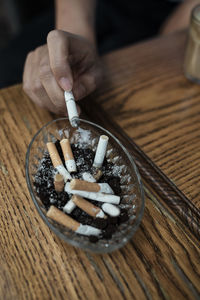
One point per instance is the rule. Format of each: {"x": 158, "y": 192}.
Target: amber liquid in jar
{"x": 192, "y": 54}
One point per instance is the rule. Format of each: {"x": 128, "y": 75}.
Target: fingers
{"x": 53, "y": 90}
{"x": 40, "y": 84}
{"x": 58, "y": 47}
{"x": 48, "y": 70}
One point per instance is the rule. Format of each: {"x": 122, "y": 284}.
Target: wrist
{"x": 77, "y": 17}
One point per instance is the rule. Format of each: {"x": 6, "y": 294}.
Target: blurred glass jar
{"x": 192, "y": 54}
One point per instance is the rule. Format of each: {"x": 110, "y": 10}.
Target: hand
{"x": 66, "y": 62}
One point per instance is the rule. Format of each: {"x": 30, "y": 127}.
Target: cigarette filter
{"x": 59, "y": 183}
{"x": 111, "y": 209}
{"x": 68, "y": 155}
{"x": 101, "y": 151}
{"x": 102, "y": 197}
{"x": 60, "y": 217}
{"x": 82, "y": 185}
{"x": 57, "y": 162}
{"x": 88, "y": 207}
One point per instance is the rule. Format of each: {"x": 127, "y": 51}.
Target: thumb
{"x": 58, "y": 47}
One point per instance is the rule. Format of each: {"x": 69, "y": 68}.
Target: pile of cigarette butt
{"x": 81, "y": 189}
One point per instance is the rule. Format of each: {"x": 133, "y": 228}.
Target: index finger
{"x": 58, "y": 47}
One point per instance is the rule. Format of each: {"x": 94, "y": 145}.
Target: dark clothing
{"x": 118, "y": 23}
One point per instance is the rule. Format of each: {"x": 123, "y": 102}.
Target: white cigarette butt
{"x": 88, "y": 177}
{"x": 101, "y": 151}
{"x": 61, "y": 169}
{"x": 105, "y": 188}
{"x": 111, "y": 209}
{"x": 88, "y": 230}
{"x": 69, "y": 207}
{"x": 71, "y": 109}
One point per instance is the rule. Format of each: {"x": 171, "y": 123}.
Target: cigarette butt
{"x": 88, "y": 230}
{"x": 71, "y": 109}
{"x": 101, "y": 151}
{"x": 101, "y": 197}
{"x": 61, "y": 169}
{"x": 105, "y": 188}
{"x": 69, "y": 207}
{"x": 88, "y": 207}
{"x": 55, "y": 158}
{"x": 82, "y": 185}
{"x": 77, "y": 184}
{"x": 68, "y": 155}
{"x": 59, "y": 183}
{"x": 111, "y": 209}
{"x": 57, "y": 162}
{"x": 60, "y": 217}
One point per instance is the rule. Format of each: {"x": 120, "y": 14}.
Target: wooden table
{"x": 146, "y": 94}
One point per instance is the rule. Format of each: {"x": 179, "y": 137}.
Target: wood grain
{"x": 161, "y": 261}
{"x": 148, "y": 96}
{"x": 151, "y": 174}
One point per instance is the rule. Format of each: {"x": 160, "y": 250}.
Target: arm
{"x": 76, "y": 16}
{"x": 180, "y": 18}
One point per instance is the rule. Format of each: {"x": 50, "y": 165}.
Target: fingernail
{"x": 65, "y": 84}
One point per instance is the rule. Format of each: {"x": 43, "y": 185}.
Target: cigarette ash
{"x": 84, "y": 157}
{"x": 82, "y": 136}
{"x": 44, "y": 187}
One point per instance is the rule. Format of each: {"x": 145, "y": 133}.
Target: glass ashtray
{"x": 132, "y": 196}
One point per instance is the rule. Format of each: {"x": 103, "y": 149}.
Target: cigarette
{"x": 88, "y": 207}
{"x": 69, "y": 207}
{"x": 88, "y": 177}
{"x": 111, "y": 209}
{"x": 59, "y": 183}
{"x": 82, "y": 185}
{"x": 71, "y": 109}
{"x": 68, "y": 155}
{"x": 88, "y": 230}
{"x": 57, "y": 162}
{"x": 60, "y": 217}
{"x": 101, "y": 197}
{"x": 101, "y": 151}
